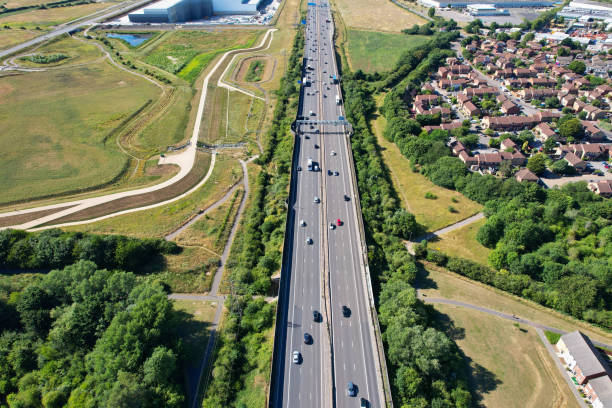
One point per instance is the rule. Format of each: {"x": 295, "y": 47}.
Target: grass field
{"x": 191, "y": 271}
{"x": 373, "y": 51}
{"x": 157, "y": 222}
{"x": 187, "y": 53}
{"x": 438, "y": 282}
{"x": 10, "y": 37}
{"x": 47, "y": 18}
{"x": 376, "y": 15}
{"x": 432, "y": 214}
{"x": 78, "y": 52}
{"x": 54, "y": 125}
{"x": 505, "y": 361}
{"x": 255, "y": 71}
{"x": 462, "y": 243}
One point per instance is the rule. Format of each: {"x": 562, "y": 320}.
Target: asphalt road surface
{"x": 307, "y": 383}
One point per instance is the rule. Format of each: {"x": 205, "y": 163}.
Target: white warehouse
{"x": 180, "y": 11}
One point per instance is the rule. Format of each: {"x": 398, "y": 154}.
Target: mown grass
{"x": 462, "y": 243}
{"x": 436, "y": 282}
{"x": 372, "y": 51}
{"x": 157, "y": 222}
{"x": 412, "y": 188}
{"x": 54, "y": 125}
{"x": 255, "y": 71}
{"x": 504, "y": 361}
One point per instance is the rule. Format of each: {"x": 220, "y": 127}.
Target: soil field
{"x": 23, "y": 218}
{"x": 55, "y": 125}
{"x": 191, "y": 179}
{"x": 505, "y": 361}
{"x": 376, "y": 15}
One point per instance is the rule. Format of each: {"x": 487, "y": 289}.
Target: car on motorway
{"x": 346, "y": 312}
{"x": 316, "y": 146}
{"x": 317, "y": 200}
{"x": 309, "y": 241}
{"x": 299, "y": 168}
{"x": 333, "y": 153}
{"x": 338, "y": 222}
{"x": 347, "y": 198}
{"x": 316, "y": 316}
{"x": 364, "y": 403}
{"x": 307, "y": 338}
{"x": 297, "y": 357}
{"x": 351, "y": 389}
{"x": 336, "y": 173}
{"x": 332, "y": 226}
{"x": 329, "y": 172}
{"x": 303, "y": 223}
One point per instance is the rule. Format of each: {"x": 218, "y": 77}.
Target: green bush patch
{"x": 45, "y": 59}
{"x": 255, "y": 72}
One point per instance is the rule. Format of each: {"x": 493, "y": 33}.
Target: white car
{"x": 332, "y": 226}
{"x": 333, "y": 153}
{"x": 303, "y": 223}
{"x": 309, "y": 241}
{"x": 296, "y": 357}
{"x": 317, "y": 200}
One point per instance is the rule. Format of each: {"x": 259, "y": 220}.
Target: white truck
{"x": 338, "y": 100}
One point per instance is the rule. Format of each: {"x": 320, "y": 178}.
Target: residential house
{"x": 510, "y": 123}
{"x": 602, "y": 188}
{"x": 453, "y": 84}
{"x": 543, "y": 82}
{"x": 543, "y": 131}
{"x": 590, "y": 151}
{"x": 489, "y": 159}
{"x": 529, "y": 94}
{"x": 547, "y": 115}
{"x": 582, "y": 358}
{"x": 592, "y": 132}
{"x": 479, "y": 92}
{"x": 510, "y": 108}
{"x": 593, "y": 113}
{"x": 470, "y": 109}
{"x": 575, "y": 161}
{"x": 568, "y": 100}
{"x": 599, "y": 392}
{"x": 526, "y": 175}
{"x": 507, "y": 144}
{"x": 467, "y": 159}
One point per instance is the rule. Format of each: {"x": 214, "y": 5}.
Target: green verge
{"x": 242, "y": 360}
{"x": 553, "y": 338}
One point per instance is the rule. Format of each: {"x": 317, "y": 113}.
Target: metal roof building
{"x": 495, "y": 3}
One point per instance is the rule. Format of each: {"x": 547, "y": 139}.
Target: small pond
{"x": 133, "y": 39}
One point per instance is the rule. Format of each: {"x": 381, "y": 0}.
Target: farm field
{"x": 505, "y": 361}
{"x": 47, "y": 18}
{"x": 411, "y": 187}
{"x": 437, "y": 282}
{"x": 55, "y": 126}
{"x": 372, "y": 51}
{"x": 376, "y": 15}
{"x": 462, "y": 243}
{"x": 157, "y": 222}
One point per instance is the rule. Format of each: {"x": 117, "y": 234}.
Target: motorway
{"x": 334, "y": 258}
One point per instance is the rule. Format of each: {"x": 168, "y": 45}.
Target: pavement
{"x": 329, "y": 273}
{"x": 185, "y": 159}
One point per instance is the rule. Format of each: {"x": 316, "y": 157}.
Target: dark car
{"x": 346, "y": 198}
{"x": 316, "y": 316}
{"x": 316, "y": 146}
{"x": 329, "y": 172}
{"x": 307, "y": 338}
{"x": 364, "y": 403}
{"x": 351, "y": 389}
{"x": 346, "y": 312}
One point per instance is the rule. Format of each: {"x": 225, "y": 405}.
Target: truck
{"x": 309, "y": 164}
{"x": 312, "y": 165}
{"x": 337, "y": 99}
{"x": 334, "y": 79}
{"x": 305, "y": 81}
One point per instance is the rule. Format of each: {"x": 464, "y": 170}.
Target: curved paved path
{"x": 185, "y": 160}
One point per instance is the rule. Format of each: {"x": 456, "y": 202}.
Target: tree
{"x": 505, "y": 168}
{"x": 537, "y": 164}
{"x": 577, "y": 66}
{"x": 570, "y": 127}
{"x": 431, "y": 12}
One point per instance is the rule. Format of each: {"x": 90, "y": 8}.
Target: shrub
{"x": 430, "y": 196}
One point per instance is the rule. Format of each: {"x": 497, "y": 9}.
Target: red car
{"x": 339, "y": 222}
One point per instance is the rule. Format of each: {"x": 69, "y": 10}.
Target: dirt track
{"x": 21, "y": 218}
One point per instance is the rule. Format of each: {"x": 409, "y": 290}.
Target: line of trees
{"x": 425, "y": 366}
{"x": 551, "y": 246}
{"x": 89, "y": 337}
{"x": 244, "y": 349}
{"x": 55, "y": 248}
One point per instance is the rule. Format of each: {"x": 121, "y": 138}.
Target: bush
{"x": 430, "y": 196}
{"x": 437, "y": 257}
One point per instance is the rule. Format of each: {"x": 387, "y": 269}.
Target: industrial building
{"x": 499, "y": 4}
{"x": 180, "y": 11}
{"x": 478, "y": 10}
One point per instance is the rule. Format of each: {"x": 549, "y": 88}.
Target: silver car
{"x": 317, "y": 200}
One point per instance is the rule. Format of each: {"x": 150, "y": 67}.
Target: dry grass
{"x": 506, "y": 362}
{"x": 201, "y": 310}
{"x": 412, "y": 187}
{"x": 376, "y": 15}
{"x": 438, "y": 282}
{"x": 10, "y": 37}
{"x": 462, "y": 243}
{"x": 51, "y": 17}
